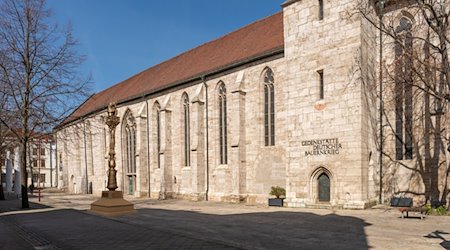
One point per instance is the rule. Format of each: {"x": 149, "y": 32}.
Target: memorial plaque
{"x": 330, "y": 146}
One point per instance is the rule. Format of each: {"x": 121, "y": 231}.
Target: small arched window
{"x": 223, "y": 123}
{"x": 403, "y": 90}
{"x": 186, "y": 130}
{"x": 320, "y": 9}
{"x": 269, "y": 108}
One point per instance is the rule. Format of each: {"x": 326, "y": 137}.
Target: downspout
{"x": 85, "y": 157}
{"x": 380, "y": 197}
{"x": 56, "y": 158}
{"x": 207, "y": 138}
{"x": 148, "y": 151}
{"x": 51, "y": 165}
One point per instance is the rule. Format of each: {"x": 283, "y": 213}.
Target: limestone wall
{"x": 331, "y": 46}
{"x": 252, "y": 167}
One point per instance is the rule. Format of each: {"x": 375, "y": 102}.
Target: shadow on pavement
{"x": 15, "y": 204}
{"x": 438, "y": 235}
{"x": 267, "y": 230}
{"x": 73, "y": 229}
{"x": 168, "y": 229}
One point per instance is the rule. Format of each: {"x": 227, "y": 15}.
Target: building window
{"x": 223, "y": 123}
{"x": 320, "y": 9}
{"x": 37, "y": 179}
{"x": 35, "y": 163}
{"x": 186, "y": 129}
{"x": 42, "y": 151}
{"x": 104, "y": 141}
{"x": 129, "y": 139}
{"x": 35, "y": 151}
{"x": 158, "y": 134}
{"x": 130, "y": 143}
{"x": 60, "y": 162}
{"x": 269, "y": 108}
{"x": 403, "y": 92}
{"x": 42, "y": 163}
{"x": 321, "y": 84}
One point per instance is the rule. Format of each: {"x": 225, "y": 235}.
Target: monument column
{"x": 112, "y": 203}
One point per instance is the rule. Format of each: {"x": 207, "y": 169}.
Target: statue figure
{"x": 112, "y": 121}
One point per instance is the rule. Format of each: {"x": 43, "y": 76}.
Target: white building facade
{"x": 41, "y": 165}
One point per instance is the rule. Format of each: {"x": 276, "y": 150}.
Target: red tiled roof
{"x": 256, "y": 39}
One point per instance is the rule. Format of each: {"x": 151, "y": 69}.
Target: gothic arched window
{"x": 130, "y": 143}
{"x": 186, "y": 130}
{"x": 403, "y": 91}
{"x": 269, "y": 108}
{"x": 129, "y": 139}
{"x": 223, "y": 123}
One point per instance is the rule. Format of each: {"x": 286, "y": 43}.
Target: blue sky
{"x": 123, "y": 37}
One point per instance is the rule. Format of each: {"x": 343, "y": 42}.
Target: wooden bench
{"x": 405, "y": 205}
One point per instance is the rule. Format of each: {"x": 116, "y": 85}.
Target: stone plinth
{"x": 112, "y": 204}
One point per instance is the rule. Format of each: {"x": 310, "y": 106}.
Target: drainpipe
{"x": 85, "y": 157}
{"x": 148, "y": 150}
{"x": 380, "y": 198}
{"x": 207, "y": 138}
{"x": 51, "y": 165}
{"x": 56, "y": 158}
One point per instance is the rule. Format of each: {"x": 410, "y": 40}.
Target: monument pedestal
{"x": 112, "y": 204}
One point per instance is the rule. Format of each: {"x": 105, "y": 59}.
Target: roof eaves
{"x": 266, "y": 54}
{"x": 68, "y": 116}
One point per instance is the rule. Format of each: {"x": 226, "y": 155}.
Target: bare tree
{"x": 2, "y": 194}
{"x": 38, "y": 67}
{"x": 416, "y": 79}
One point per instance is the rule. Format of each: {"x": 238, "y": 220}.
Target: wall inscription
{"x": 322, "y": 147}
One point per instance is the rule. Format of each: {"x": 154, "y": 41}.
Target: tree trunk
{"x": 23, "y": 174}
{"x": 2, "y": 195}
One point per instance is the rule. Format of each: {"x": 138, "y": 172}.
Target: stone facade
{"x": 324, "y": 136}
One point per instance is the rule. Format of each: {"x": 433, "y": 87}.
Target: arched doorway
{"x": 323, "y": 188}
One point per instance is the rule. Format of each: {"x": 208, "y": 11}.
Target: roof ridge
{"x": 251, "y": 40}
{"x": 217, "y": 39}
{"x": 190, "y": 50}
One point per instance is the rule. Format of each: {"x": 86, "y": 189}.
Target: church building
{"x": 290, "y": 100}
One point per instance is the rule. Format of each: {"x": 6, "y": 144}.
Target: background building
{"x": 41, "y": 166}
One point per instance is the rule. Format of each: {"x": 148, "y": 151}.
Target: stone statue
{"x": 112, "y": 121}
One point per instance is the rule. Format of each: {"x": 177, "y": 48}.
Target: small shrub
{"x": 441, "y": 210}
{"x": 278, "y": 191}
{"x": 428, "y": 208}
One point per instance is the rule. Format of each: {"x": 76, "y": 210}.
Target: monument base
{"x": 112, "y": 204}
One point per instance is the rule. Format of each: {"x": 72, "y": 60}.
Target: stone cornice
{"x": 288, "y": 2}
